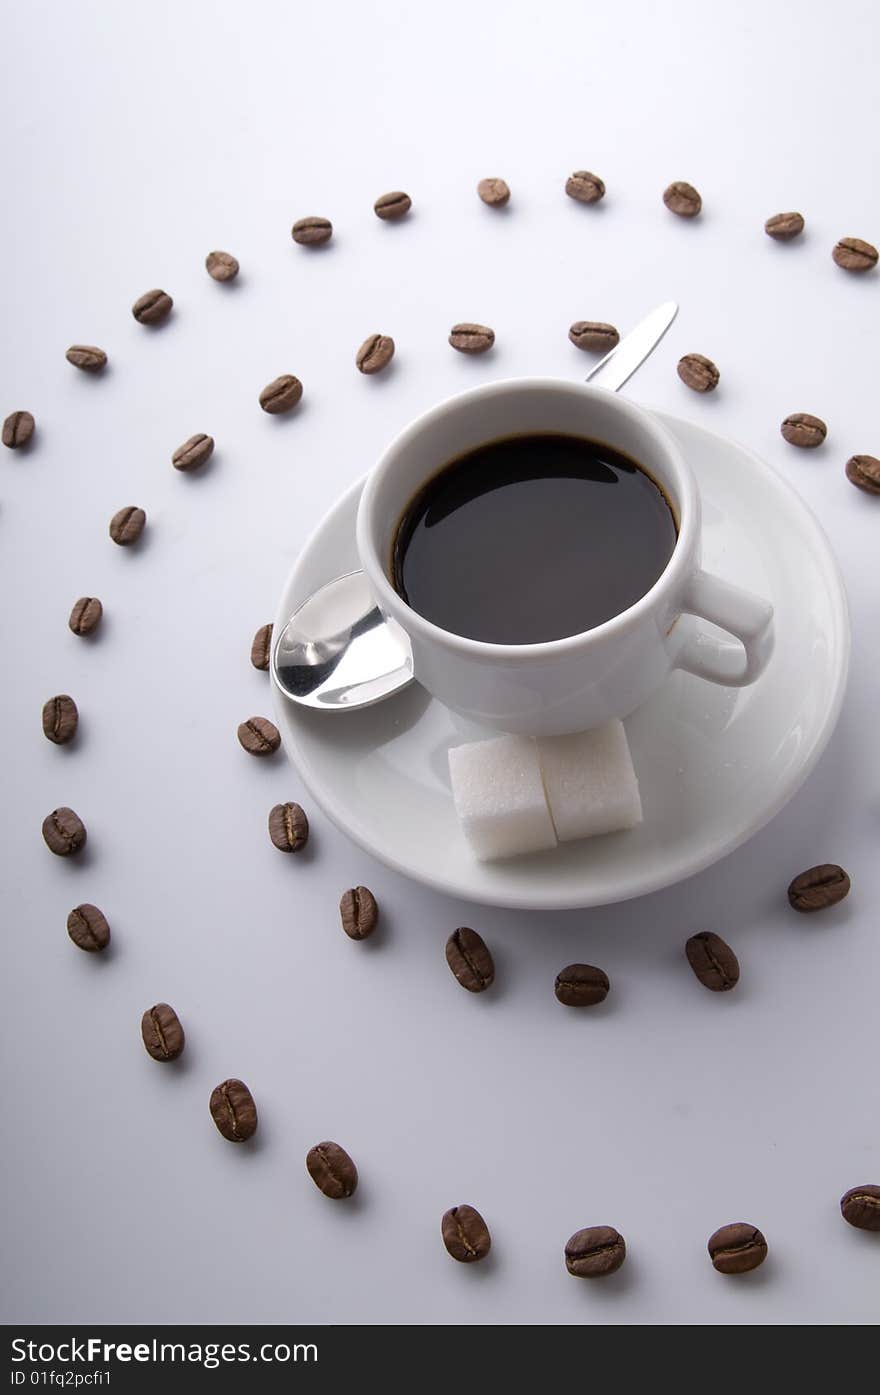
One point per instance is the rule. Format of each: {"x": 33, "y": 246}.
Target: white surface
{"x": 714, "y": 763}
{"x": 136, "y": 141}
{"x": 590, "y": 782}
{"x": 499, "y": 797}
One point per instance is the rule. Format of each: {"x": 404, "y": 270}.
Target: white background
{"x": 136, "y": 140}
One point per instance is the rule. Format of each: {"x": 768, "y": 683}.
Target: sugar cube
{"x": 499, "y": 796}
{"x": 590, "y": 782}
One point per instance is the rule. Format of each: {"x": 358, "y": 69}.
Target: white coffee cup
{"x": 569, "y": 684}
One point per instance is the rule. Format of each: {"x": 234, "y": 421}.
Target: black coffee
{"x": 532, "y": 538}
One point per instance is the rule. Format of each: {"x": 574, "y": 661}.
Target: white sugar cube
{"x": 590, "y": 782}
{"x": 499, "y": 797}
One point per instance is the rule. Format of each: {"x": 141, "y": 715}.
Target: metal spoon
{"x": 337, "y": 651}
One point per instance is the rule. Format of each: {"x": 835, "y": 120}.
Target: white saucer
{"x": 714, "y": 764}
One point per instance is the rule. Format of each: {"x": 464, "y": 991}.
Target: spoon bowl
{"x": 339, "y": 652}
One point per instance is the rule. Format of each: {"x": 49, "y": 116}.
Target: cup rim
{"x": 686, "y": 502}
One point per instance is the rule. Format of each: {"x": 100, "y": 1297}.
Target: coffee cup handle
{"x": 744, "y": 615}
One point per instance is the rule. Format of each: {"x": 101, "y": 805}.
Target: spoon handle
{"x": 616, "y": 367}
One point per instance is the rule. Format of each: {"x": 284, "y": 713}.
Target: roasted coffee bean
{"x": 233, "y": 1111}
{"x": 864, "y": 472}
{"x": 60, "y": 719}
{"x": 737, "y": 1248}
{"x": 683, "y": 199}
{"x": 18, "y": 428}
{"x": 163, "y": 1033}
{"x": 64, "y": 832}
{"x": 288, "y": 827}
{"x": 194, "y": 453}
{"x": 861, "y": 1207}
{"x": 465, "y": 1234}
{"x": 582, "y": 985}
{"x": 469, "y": 959}
{"x": 312, "y": 232}
{"x": 853, "y": 254}
{"x": 595, "y": 1252}
{"x": 259, "y": 736}
{"x": 222, "y": 266}
{"x": 818, "y": 887}
{"x": 88, "y": 928}
{"x": 393, "y": 205}
{"x": 800, "y": 429}
{"x": 698, "y": 372}
{"x": 494, "y": 192}
{"x": 713, "y": 961}
{"x": 358, "y": 912}
{"x": 471, "y": 339}
{"x": 375, "y": 353}
{"x": 127, "y": 525}
{"x": 86, "y": 615}
{"x": 784, "y": 226}
{"x": 584, "y": 186}
{"x": 261, "y": 648}
{"x": 152, "y": 308}
{"x": 281, "y": 394}
{"x": 86, "y": 357}
{"x": 332, "y": 1170}
{"x": 593, "y": 335}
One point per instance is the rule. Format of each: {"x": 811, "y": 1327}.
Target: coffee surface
{"x": 532, "y": 538}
